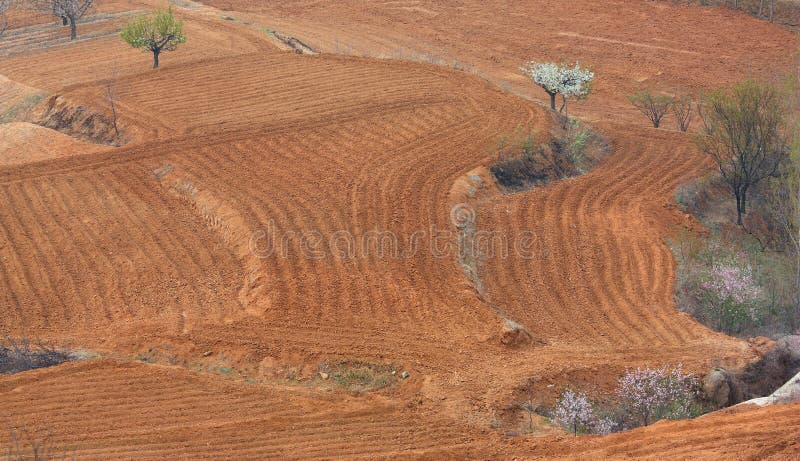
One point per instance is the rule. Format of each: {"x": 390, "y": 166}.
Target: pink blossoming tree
{"x": 648, "y": 395}
{"x": 573, "y": 410}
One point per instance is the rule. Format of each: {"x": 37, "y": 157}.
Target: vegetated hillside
{"x": 155, "y": 248}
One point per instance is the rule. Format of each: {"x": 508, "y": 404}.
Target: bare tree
{"x": 70, "y": 11}
{"x": 682, "y": 109}
{"x": 745, "y": 132}
{"x": 26, "y": 445}
{"x": 771, "y": 10}
{"x": 530, "y": 407}
{"x": 652, "y": 105}
{"x": 111, "y": 95}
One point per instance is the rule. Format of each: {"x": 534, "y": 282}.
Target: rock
{"x": 404, "y": 375}
{"x": 788, "y": 393}
{"x": 716, "y": 388}
{"x": 721, "y": 388}
{"x": 789, "y": 349}
{"x": 515, "y": 335}
{"x": 207, "y": 353}
{"x": 323, "y": 375}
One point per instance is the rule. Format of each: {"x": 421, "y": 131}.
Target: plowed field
{"x": 271, "y": 211}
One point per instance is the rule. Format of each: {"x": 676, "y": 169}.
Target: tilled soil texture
{"x": 280, "y": 210}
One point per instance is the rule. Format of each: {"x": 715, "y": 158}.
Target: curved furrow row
{"x": 40, "y": 259}
{"x": 201, "y": 261}
{"x": 617, "y": 256}
{"x": 293, "y": 186}
{"x": 25, "y": 276}
{"x": 114, "y": 197}
{"x": 60, "y": 253}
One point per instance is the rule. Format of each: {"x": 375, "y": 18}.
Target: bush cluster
{"x": 643, "y": 396}
{"x": 523, "y": 163}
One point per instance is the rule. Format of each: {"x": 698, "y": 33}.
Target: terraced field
{"x": 168, "y": 412}
{"x": 273, "y": 211}
{"x": 601, "y": 271}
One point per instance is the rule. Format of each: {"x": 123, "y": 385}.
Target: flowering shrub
{"x": 603, "y": 426}
{"x": 734, "y": 283}
{"x": 648, "y": 395}
{"x": 573, "y": 411}
{"x": 731, "y": 295}
{"x": 568, "y": 80}
{"x": 729, "y": 282}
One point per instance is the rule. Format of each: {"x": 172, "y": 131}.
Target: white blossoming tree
{"x": 567, "y": 80}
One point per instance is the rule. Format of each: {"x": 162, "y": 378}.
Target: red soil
{"x": 149, "y": 246}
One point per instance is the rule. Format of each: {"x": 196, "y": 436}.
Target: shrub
{"x": 522, "y": 163}
{"x": 5, "y": 5}
{"x": 573, "y": 412}
{"x": 643, "y": 396}
{"x": 654, "y": 106}
{"x": 683, "y": 110}
{"x": 360, "y": 376}
{"x": 648, "y": 395}
{"x": 33, "y": 446}
{"x": 731, "y": 295}
{"x": 732, "y": 283}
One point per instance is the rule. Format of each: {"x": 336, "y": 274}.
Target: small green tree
{"x": 156, "y": 33}
{"x": 682, "y": 109}
{"x": 654, "y": 106}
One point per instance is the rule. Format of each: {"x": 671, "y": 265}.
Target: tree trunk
{"x": 797, "y": 283}
{"x": 64, "y": 21}
{"x": 552, "y": 100}
{"x": 738, "y": 206}
{"x": 155, "y": 58}
{"x": 771, "y": 10}
{"x": 73, "y": 33}
{"x": 744, "y": 200}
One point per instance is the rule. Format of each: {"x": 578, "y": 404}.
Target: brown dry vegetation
{"x": 122, "y": 250}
